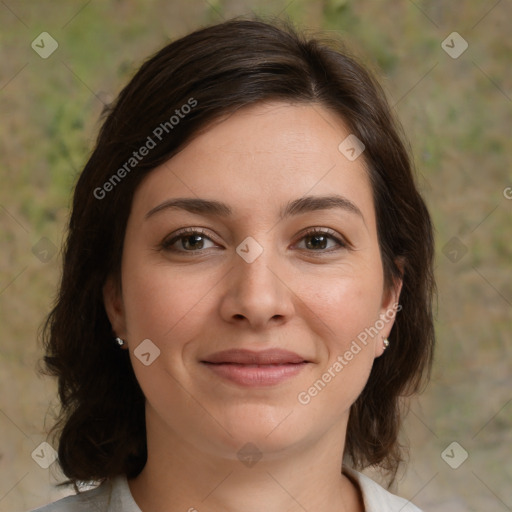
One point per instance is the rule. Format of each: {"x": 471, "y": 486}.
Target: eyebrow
{"x": 297, "y": 207}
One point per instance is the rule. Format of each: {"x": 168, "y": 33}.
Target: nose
{"x": 258, "y": 294}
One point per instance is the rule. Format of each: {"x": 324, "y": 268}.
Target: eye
{"x": 186, "y": 240}
{"x": 318, "y": 239}
{"x": 193, "y": 240}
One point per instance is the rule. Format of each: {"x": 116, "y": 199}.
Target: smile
{"x": 254, "y": 375}
{"x": 250, "y": 368}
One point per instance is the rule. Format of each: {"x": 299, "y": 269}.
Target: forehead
{"x": 261, "y": 157}
{"x": 277, "y": 129}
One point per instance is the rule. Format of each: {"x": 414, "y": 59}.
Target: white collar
{"x": 375, "y": 497}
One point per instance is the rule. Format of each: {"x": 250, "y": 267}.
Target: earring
{"x": 120, "y": 342}
{"x": 386, "y": 343}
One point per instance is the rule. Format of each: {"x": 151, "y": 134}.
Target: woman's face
{"x": 231, "y": 267}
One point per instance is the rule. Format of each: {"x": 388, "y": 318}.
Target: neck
{"x": 180, "y": 477}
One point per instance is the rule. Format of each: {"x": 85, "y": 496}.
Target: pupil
{"x": 321, "y": 243}
{"x": 195, "y": 238}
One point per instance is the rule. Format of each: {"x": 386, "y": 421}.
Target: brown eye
{"x": 317, "y": 240}
{"x": 186, "y": 241}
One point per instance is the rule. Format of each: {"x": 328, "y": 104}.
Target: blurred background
{"x": 447, "y": 70}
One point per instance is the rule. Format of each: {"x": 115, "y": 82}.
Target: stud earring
{"x": 386, "y": 343}
{"x": 120, "y": 342}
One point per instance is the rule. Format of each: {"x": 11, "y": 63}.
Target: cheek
{"x": 346, "y": 304}
{"x": 349, "y": 307}
{"x": 163, "y": 303}
{"x": 167, "y": 307}
{"x": 347, "y": 310}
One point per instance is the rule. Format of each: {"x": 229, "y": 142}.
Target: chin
{"x": 270, "y": 429}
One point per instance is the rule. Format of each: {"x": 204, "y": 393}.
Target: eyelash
{"x": 167, "y": 244}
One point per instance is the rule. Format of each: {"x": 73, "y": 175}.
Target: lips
{"x": 255, "y": 369}
{"x": 248, "y": 357}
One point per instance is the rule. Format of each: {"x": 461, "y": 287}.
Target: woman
{"x": 247, "y": 285}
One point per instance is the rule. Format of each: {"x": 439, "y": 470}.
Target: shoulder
{"x": 96, "y": 499}
{"x": 378, "y": 499}
{"x": 111, "y": 496}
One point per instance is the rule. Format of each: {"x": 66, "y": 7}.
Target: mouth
{"x": 253, "y": 369}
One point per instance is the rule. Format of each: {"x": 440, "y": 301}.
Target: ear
{"x": 112, "y": 298}
{"x": 389, "y": 308}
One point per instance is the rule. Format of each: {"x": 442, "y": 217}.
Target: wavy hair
{"x": 101, "y": 423}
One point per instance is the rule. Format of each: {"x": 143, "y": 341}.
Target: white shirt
{"x": 115, "y": 496}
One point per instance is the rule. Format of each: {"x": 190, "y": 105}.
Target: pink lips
{"x": 248, "y": 368}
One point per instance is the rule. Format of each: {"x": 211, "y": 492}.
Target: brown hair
{"x": 219, "y": 69}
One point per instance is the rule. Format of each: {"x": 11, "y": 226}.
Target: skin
{"x": 310, "y": 299}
